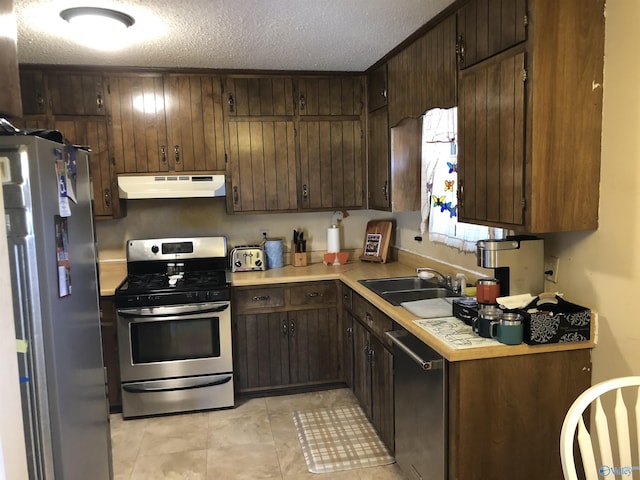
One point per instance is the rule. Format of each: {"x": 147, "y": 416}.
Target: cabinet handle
{"x": 292, "y": 328}
{"x": 231, "y": 102}
{"x": 235, "y": 195}
{"x": 303, "y": 102}
{"x": 460, "y": 49}
{"x": 40, "y": 101}
{"x": 313, "y": 294}
{"x": 163, "y": 154}
{"x": 460, "y": 194}
{"x": 349, "y": 332}
{"x": 261, "y": 298}
{"x": 176, "y": 150}
{"x": 107, "y": 197}
{"x": 372, "y": 360}
{"x": 305, "y": 192}
{"x": 383, "y": 92}
{"x": 369, "y": 318}
{"x": 385, "y": 190}
{"x": 285, "y": 330}
{"x": 99, "y": 101}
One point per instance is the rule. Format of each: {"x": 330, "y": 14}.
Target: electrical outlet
{"x": 551, "y": 265}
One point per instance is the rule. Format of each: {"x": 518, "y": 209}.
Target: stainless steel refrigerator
{"x": 47, "y": 197}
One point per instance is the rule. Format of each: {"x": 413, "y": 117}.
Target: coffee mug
{"x": 487, "y": 316}
{"x": 509, "y": 333}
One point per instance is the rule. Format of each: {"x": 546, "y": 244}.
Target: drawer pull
{"x": 285, "y": 330}
{"x": 261, "y": 298}
{"x": 292, "y": 328}
{"x": 314, "y": 294}
{"x": 369, "y": 318}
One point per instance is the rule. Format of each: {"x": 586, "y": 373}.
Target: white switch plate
{"x": 551, "y": 263}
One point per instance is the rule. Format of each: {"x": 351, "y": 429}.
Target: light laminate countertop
{"x": 113, "y": 272}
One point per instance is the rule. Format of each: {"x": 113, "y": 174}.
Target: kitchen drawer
{"x": 376, "y": 321}
{"x": 258, "y": 298}
{"x": 314, "y": 293}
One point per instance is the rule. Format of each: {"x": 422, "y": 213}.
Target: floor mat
{"x": 335, "y": 439}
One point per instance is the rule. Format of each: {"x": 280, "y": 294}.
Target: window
{"x": 439, "y": 185}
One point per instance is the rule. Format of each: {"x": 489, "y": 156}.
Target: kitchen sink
{"x": 407, "y": 289}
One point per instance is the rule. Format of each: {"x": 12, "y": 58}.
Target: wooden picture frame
{"x": 376, "y": 241}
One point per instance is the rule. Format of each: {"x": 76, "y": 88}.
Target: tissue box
{"x": 466, "y": 309}
{"x": 556, "y": 322}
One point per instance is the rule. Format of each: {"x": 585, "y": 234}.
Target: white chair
{"x": 604, "y": 466}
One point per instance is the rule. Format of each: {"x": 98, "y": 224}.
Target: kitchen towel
{"x": 333, "y": 239}
{"x": 274, "y": 252}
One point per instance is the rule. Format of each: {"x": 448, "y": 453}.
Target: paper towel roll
{"x": 333, "y": 239}
{"x": 274, "y": 253}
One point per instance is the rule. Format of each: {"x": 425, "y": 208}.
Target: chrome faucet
{"x": 445, "y": 280}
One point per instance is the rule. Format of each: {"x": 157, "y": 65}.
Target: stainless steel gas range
{"x": 174, "y": 327}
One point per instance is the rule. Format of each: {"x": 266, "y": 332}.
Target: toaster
{"x": 248, "y": 258}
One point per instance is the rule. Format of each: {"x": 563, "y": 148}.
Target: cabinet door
{"x": 262, "y": 162}
{"x": 487, "y": 27}
{"x": 136, "y": 108}
{"x": 258, "y": 96}
{"x": 382, "y": 392}
{"x": 261, "y": 351}
{"x": 194, "y": 120}
{"x": 347, "y": 348}
{"x": 377, "y": 88}
{"x": 330, "y": 96}
{"x": 33, "y": 91}
{"x": 491, "y": 150}
{"x": 94, "y": 134}
{"x": 331, "y": 164}
{"x": 76, "y": 93}
{"x": 362, "y": 367}
{"x": 314, "y": 354}
{"x": 379, "y": 168}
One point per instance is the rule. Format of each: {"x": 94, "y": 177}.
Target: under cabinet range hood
{"x": 170, "y": 186}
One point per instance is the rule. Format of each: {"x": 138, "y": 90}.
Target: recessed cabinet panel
{"x": 330, "y": 96}
{"x": 379, "y": 194}
{"x": 262, "y": 162}
{"x": 138, "y": 123}
{"x": 487, "y": 27}
{"x": 258, "y": 96}
{"x": 331, "y": 164}
{"x": 491, "y": 148}
{"x": 34, "y": 93}
{"x": 377, "y": 88}
{"x": 76, "y": 93}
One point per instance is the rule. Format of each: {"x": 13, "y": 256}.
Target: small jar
{"x": 487, "y": 290}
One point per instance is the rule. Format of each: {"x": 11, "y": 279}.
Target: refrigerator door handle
{"x": 147, "y": 388}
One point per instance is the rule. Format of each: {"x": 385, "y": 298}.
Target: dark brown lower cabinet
{"x": 296, "y": 343}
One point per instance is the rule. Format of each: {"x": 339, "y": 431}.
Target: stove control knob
{"x": 155, "y": 249}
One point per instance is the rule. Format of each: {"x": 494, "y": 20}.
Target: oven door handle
{"x": 149, "y": 389}
{"x": 170, "y": 311}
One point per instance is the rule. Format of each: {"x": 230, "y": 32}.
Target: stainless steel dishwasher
{"x": 420, "y": 376}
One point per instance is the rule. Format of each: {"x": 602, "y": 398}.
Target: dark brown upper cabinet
{"x": 334, "y": 96}
{"x": 258, "y": 96}
{"x": 377, "y": 88}
{"x": 76, "y": 93}
{"x": 488, "y": 27}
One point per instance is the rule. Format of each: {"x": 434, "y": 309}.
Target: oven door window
{"x": 170, "y": 340}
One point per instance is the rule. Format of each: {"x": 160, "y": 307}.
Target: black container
{"x": 465, "y": 309}
{"x": 556, "y": 322}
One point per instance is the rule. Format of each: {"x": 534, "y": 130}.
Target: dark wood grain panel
{"x": 331, "y": 163}
{"x": 379, "y": 161}
{"x": 382, "y": 393}
{"x": 34, "y": 92}
{"x": 340, "y": 96}
{"x": 262, "y": 163}
{"x": 488, "y": 27}
{"x": 499, "y": 420}
{"x": 259, "y": 96}
{"x": 137, "y": 111}
{"x": 76, "y": 93}
{"x": 314, "y": 293}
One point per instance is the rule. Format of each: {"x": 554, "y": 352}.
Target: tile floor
{"x": 255, "y": 440}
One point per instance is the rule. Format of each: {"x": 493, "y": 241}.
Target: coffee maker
{"x": 517, "y": 261}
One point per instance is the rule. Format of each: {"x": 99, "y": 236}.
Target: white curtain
{"x": 439, "y": 185}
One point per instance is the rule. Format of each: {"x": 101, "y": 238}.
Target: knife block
{"x": 298, "y": 259}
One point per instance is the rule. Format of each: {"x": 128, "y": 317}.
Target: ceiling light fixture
{"x": 100, "y": 28}
{"x": 95, "y": 14}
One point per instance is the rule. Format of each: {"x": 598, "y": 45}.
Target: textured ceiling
{"x": 323, "y": 35}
